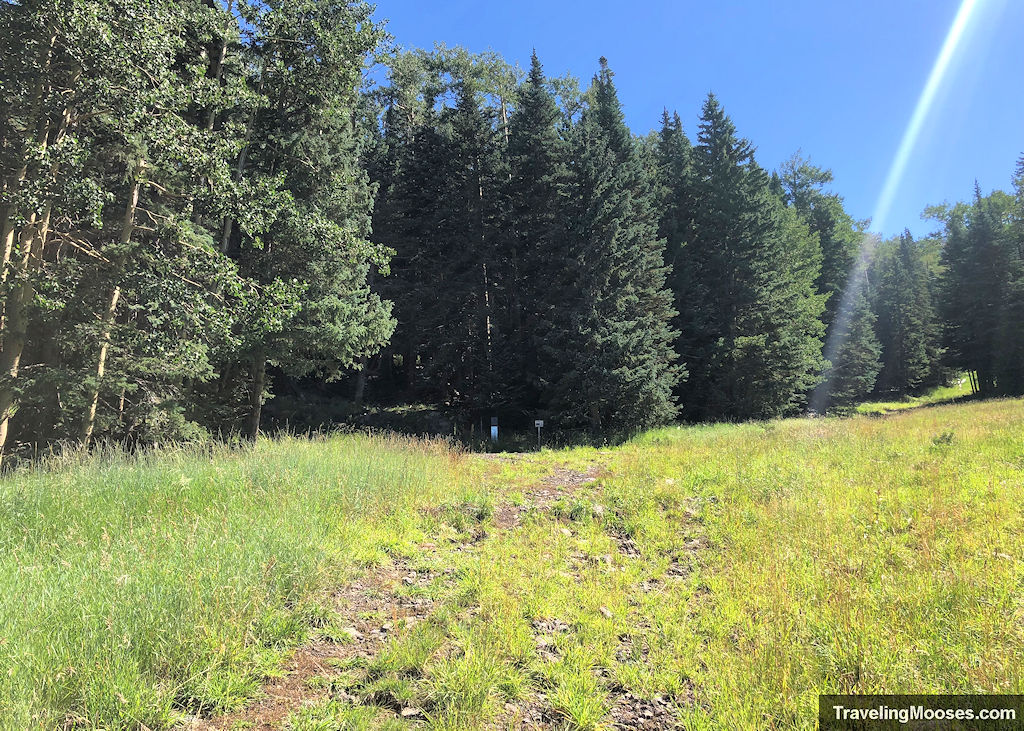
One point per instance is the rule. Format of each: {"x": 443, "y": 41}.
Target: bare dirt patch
{"x": 370, "y": 610}
{"x": 560, "y": 483}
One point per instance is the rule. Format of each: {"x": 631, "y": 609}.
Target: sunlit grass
{"x": 771, "y": 562}
{"x": 959, "y": 389}
{"x": 135, "y": 589}
{"x": 723, "y": 575}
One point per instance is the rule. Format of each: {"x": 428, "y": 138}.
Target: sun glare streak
{"x": 924, "y": 106}
{"x": 819, "y": 399}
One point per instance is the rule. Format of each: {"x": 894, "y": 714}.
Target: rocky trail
{"x": 370, "y": 608}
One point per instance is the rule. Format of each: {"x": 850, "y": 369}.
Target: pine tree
{"x": 975, "y": 291}
{"x": 851, "y": 376}
{"x": 310, "y": 260}
{"x": 839, "y": 235}
{"x": 535, "y": 247}
{"x": 1010, "y": 360}
{"x": 750, "y": 320}
{"x": 674, "y": 159}
{"x": 617, "y": 369}
{"x": 907, "y": 325}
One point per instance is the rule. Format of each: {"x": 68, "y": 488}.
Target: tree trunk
{"x": 357, "y": 398}
{"x": 89, "y": 423}
{"x": 259, "y": 380}
{"x": 127, "y": 229}
{"x": 15, "y": 331}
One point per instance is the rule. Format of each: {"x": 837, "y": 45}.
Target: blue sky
{"x": 837, "y": 79}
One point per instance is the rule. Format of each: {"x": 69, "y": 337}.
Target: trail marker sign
{"x": 539, "y": 423}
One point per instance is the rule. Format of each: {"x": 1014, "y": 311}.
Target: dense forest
{"x": 212, "y": 205}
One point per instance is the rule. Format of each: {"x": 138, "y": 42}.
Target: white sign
{"x": 538, "y": 423}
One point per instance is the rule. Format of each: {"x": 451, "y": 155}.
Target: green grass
{"x": 769, "y": 563}
{"x": 135, "y": 590}
{"x": 724, "y": 574}
{"x": 960, "y": 389}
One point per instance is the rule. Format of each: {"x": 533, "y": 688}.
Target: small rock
{"x": 409, "y": 712}
{"x": 353, "y": 633}
{"x": 606, "y": 612}
{"x": 598, "y": 511}
{"x": 566, "y": 532}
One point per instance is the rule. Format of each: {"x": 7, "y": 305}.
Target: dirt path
{"x": 370, "y": 608}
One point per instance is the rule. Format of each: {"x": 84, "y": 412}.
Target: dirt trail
{"x": 370, "y": 609}
{"x": 559, "y": 483}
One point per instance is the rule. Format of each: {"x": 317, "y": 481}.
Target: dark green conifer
{"x": 750, "y": 319}
{"x": 616, "y": 369}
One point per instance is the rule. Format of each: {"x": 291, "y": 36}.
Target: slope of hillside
{"x": 710, "y": 577}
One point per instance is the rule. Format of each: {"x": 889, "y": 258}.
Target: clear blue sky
{"x": 839, "y": 80}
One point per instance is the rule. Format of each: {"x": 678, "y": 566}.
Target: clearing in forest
{"x": 694, "y": 577}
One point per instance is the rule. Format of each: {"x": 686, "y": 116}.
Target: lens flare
{"x": 820, "y": 397}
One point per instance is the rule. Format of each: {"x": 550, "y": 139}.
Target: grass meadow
{"x": 135, "y": 590}
{"x": 714, "y": 577}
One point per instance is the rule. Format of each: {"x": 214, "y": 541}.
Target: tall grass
{"x": 136, "y": 589}
{"x": 959, "y": 389}
{"x": 842, "y": 556}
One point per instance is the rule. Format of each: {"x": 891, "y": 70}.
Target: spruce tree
{"x": 907, "y": 324}
{"x": 616, "y": 369}
{"x": 535, "y": 245}
{"x": 854, "y": 369}
{"x": 823, "y": 212}
{"x": 674, "y": 159}
{"x": 1010, "y": 360}
{"x": 975, "y": 291}
{"x": 308, "y": 255}
{"x": 750, "y": 320}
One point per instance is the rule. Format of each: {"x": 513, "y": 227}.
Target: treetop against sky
{"x": 840, "y": 81}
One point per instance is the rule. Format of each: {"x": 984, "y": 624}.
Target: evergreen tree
{"x": 907, "y": 326}
{"x": 982, "y": 292}
{"x": 616, "y": 365}
{"x": 535, "y": 248}
{"x": 311, "y": 260}
{"x": 750, "y": 321}
{"x": 852, "y": 374}
{"x": 974, "y": 292}
{"x": 674, "y": 159}
{"x": 446, "y": 197}
{"x": 839, "y": 235}
{"x": 1010, "y": 362}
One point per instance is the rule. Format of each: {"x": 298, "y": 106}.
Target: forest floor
{"x": 694, "y": 577}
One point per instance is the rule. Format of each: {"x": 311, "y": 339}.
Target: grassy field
{"x": 960, "y": 389}
{"x": 707, "y": 577}
{"x": 133, "y": 591}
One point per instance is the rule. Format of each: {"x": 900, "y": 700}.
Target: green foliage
{"x": 750, "y": 317}
{"x": 139, "y": 589}
{"x": 854, "y": 370}
{"x": 616, "y": 363}
{"x": 907, "y": 323}
{"x": 983, "y": 295}
{"x": 181, "y": 190}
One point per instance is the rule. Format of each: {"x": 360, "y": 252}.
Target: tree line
{"x": 205, "y": 202}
